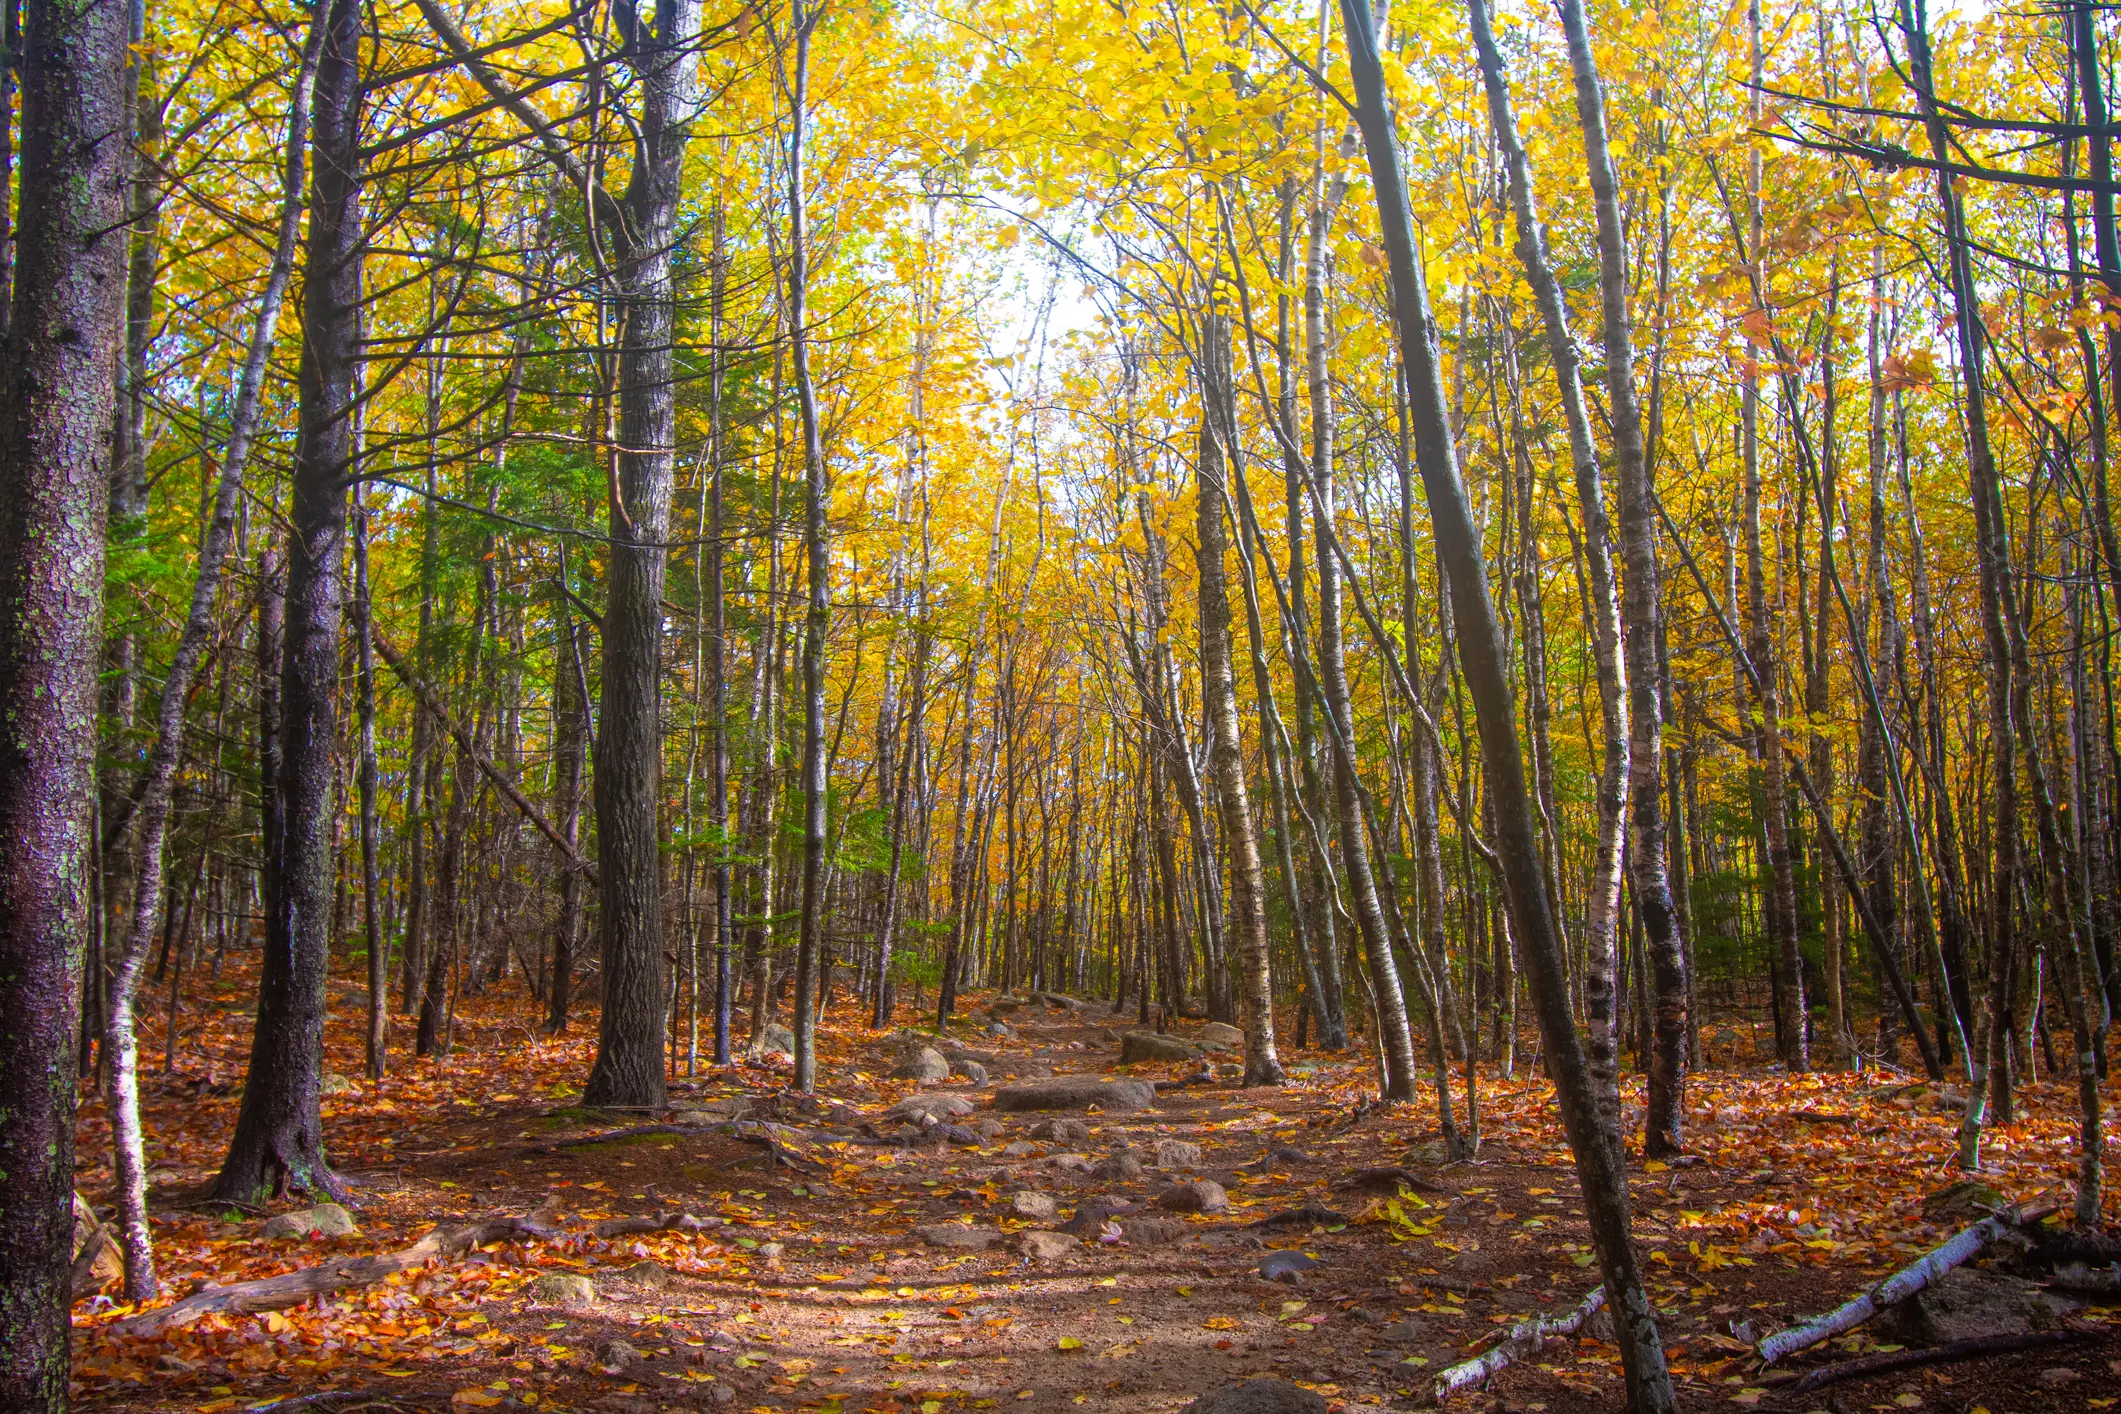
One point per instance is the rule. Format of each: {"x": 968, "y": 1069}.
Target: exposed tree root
{"x": 293, "y": 1288}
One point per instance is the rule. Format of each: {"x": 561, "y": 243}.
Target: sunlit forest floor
{"x": 800, "y": 1280}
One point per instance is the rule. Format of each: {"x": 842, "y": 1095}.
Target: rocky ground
{"x": 1052, "y": 1211}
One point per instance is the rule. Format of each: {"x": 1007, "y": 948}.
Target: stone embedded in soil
{"x": 1029, "y": 1203}
{"x": 1138, "y": 1046}
{"x": 324, "y": 1220}
{"x": 989, "y": 1129}
{"x": 968, "y": 1070}
{"x": 1077, "y": 1092}
{"x": 1018, "y": 1149}
{"x": 1200, "y": 1196}
{"x": 564, "y": 1289}
{"x": 929, "y": 1107}
{"x": 1972, "y": 1302}
{"x": 1042, "y": 1246}
{"x": 1120, "y": 1165}
{"x": 958, "y": 1236}
{"x": 1222, "y": 1034}
{"x": 653, "y": 1275}
{"x": 1177, "y": 1154}
{"x": 1152, "y": 1232}
{"x": 1287, "y": 1267}
{"x": 618, "y": 1355}
{"x": 924, "y": 1067}
{"x": 1062, "y": 1131}
{"x": 775, "y": 1037}
{"x": 1259, "y": 1396}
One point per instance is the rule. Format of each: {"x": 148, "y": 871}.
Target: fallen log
{"x": 1898, "y": 1287}
{"x": 1972, "y": 1348}
{"x": 293, "y": 1288}
{"x": 1524, "y": 1339}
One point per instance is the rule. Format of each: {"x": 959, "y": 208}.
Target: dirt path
{"x": 881, "y": 1276}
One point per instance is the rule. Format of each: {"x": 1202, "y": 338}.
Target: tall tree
{"x": 278, "y": 1143}
{"x": 56, "y": 402}
{"x": 1593, "y": 1138}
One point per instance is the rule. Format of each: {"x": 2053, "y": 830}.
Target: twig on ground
{"x": 1524, "y": 1339}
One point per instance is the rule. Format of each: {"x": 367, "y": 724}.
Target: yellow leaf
{"x": 1220, "y": 1323}
{"x": 474, "y": 1399}
{"x": 1069, "y": 1342}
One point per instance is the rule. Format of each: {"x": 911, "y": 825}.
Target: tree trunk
{"x": 1595, "y": 1143}
{"x": 629, "y": 754}
{"x": 1603, "y": 607}
{"x": 1248, "y": 884}
{"x": 279, "y": 1140}
{"x": 56, "y": 404}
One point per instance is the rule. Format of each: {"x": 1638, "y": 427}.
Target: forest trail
{"x": 816, "y": 1280}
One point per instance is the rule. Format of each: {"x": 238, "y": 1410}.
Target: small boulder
{"x": 1119, "y": 1166}
{"x": 324, "y": 1220}
{"x": 1259, "y": 1396}
{"x": 1177, "y": 1154}
{"x": 959, "y": 1237}
{"x": 1076, "y": 1092}
{"x": 618, "y": 1356}
{"x": 1970, "y": 1302}
{"x": 1018, "y": 1149}
{"x": 1042, "y": 1246}
{"x": 653, "y": 1275}
{"x": 1070, "y": 1163}
{"x": 774, "y": 1038}
{"x": 1285, "y": 1267}
{"x": 1092, "y": 1214}
{"x": 989, "y": 1130}
{"x": 925, "y": 1109}
{"x": 1152, "y": 1232}
{"x": 1030, "y": 1203}
{"x": 564, "y": 1289}
{"x": 1221, "y": 1034}
{"x": 1203, "y": 1195}
{"x": 1138, "y": 1046}
{"x": 1063, "y": 1131}
{"x": 968, "y": 1070}
{"x": 924, "y": 1067}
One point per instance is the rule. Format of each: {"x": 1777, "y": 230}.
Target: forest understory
{"x": 814, "y": 1283}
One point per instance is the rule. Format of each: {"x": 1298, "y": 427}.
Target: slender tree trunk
{"x": 1595, "y": 1142}
{"x": 1603, "y": 606}
{"x": 1248, "y": 884}
{"x": 817, "y": 603}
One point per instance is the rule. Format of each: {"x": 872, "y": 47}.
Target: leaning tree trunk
{"x": 56, "y": 402}
{"x": 1603, "y": 906}
{"x": 279, "y": 1139}
{"x": 1248, "y": 884}
{"x": 1596, "y": 1143}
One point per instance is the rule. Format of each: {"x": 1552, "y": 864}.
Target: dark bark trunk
{"x": 279, "y": 1142}
{"x": 56, "y": 404}
{"x": 629, "y": 753}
